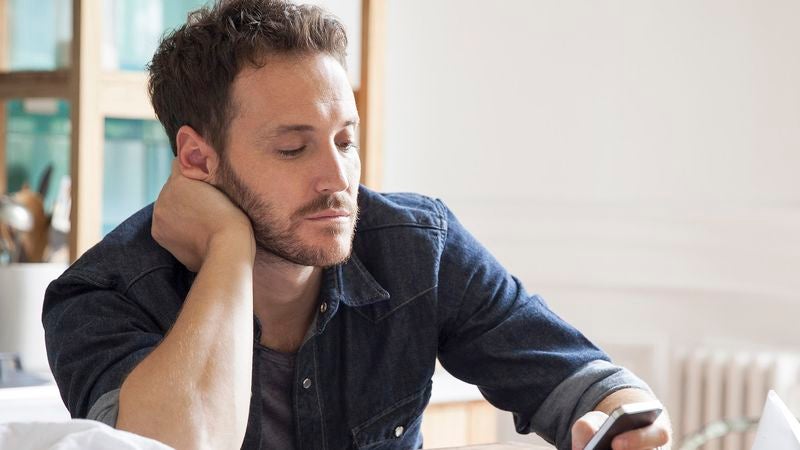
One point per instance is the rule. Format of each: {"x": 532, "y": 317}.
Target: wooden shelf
{"x": 369, "y": 97}
{"x": 459, "y": 423}
{"x": 121, "y": 94}
{"x": 29, "y": 84}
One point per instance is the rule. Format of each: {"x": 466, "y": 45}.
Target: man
{"x": 269, "y": 301}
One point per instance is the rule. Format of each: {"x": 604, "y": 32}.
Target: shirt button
{"x": 399, "y": 431}
{"x": 323, "y": 307}
{"x": 307, "y": 383}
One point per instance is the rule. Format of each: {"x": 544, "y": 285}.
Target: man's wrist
{"x": 622, "y": 397}
{"x": 232, "y": 242}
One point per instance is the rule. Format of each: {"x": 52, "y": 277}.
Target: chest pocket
{"x": 396, "y": 427}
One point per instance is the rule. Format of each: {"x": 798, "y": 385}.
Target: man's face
{"x": 291, "y": 163}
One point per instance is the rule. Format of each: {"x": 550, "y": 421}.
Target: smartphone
{"x": 625, "y": 418}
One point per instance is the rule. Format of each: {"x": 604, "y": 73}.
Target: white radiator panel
{"x": 719, "y": 385}
{"x": 735, "y": 395}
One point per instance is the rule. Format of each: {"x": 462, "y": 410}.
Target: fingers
{"x": 586, "y": 427}
{"x": 646, "y": 438}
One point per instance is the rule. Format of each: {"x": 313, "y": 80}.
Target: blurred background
{"x": 634, "y": 162}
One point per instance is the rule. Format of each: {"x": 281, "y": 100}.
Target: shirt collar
{"x": 349, "y": 283}
{"x": 352, "y": 284}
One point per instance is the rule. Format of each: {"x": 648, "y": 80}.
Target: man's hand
{"x": 190, "y": 215}
{"x": 651, "y": 437}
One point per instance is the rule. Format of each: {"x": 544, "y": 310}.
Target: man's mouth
{"x": 340, "y": 215}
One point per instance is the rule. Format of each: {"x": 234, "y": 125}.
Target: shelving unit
{"x": 95, "y": 94}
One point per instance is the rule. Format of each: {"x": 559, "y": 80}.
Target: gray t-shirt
{"x": 277, "y": 370}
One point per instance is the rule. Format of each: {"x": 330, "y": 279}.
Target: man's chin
{"x": 326, "y": 256}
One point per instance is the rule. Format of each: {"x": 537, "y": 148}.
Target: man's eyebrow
{"x": 302, "y": 128}
{"x": 290, "y": 128}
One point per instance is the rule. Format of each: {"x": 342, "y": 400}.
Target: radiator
{"x": 728, "y": 385}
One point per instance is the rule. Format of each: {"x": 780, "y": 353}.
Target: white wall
{"x": 636, "y": 162}
{"x": 349, "y": 12}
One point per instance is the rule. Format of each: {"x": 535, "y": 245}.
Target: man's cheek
{"x": 355, "y": 171}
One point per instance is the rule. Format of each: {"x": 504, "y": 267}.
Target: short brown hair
{"x": 195, "y": 65}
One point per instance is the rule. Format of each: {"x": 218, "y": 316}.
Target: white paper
{"x": 778, "y": 429}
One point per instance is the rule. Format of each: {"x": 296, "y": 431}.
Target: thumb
{"x": 585, "y": 427}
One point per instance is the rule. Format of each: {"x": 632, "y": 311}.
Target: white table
{"x": 503, "y": 446}
{"x": 32, "y": 404}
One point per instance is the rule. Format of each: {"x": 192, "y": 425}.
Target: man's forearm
{"x": 193, "y": 390}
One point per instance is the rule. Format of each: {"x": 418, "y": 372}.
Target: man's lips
{"x": 331, "y": 214}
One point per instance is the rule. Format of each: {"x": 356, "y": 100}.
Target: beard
{"x": 283, "y": 240}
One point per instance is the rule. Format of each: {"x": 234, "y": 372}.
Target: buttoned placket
{"x": 309, "y": 432}
{"x": 309, "y": 408}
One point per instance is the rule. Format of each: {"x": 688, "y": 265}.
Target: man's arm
{"x": 521, "y": 355}
{"x": 193, "y": 390}
{"x": 657, "y": 435}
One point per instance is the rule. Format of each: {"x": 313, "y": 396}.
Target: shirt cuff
{"x": 106, "y": 408}
{"x": 576, "y": 396}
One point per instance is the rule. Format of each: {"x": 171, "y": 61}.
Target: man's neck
{"x": 285, "y": 301}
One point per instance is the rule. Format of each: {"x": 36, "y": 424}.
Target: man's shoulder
{"x": 394, "y": 229}
{"x": 383, "y": 210}
{"x": 124, "y": 254}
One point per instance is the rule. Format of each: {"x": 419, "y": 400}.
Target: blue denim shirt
{"x": 418, "y": 286}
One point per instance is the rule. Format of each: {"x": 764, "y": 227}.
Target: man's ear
{"x": 197, "y": 159}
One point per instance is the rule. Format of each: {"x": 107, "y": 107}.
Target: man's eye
{"x": 347, "y": 146}
{"x": 291, "y": 153}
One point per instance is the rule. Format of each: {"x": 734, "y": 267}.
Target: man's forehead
{"x": 309, "y": 78}
{"x": 300, "y": 117}
{"x": 292, "y": 88}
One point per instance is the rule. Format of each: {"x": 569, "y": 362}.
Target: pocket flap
{"x": 398, "y": 423}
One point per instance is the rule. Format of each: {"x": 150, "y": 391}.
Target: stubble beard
{"x": 283, "y": 242}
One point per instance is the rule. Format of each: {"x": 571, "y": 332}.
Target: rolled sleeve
{"x": 94, "y": 338}
{"x": 576, "y": 396}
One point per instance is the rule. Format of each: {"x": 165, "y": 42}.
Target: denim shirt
{"x": 418, "y": 286}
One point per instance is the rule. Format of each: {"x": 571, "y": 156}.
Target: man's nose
{"x": 332, "y": 175}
